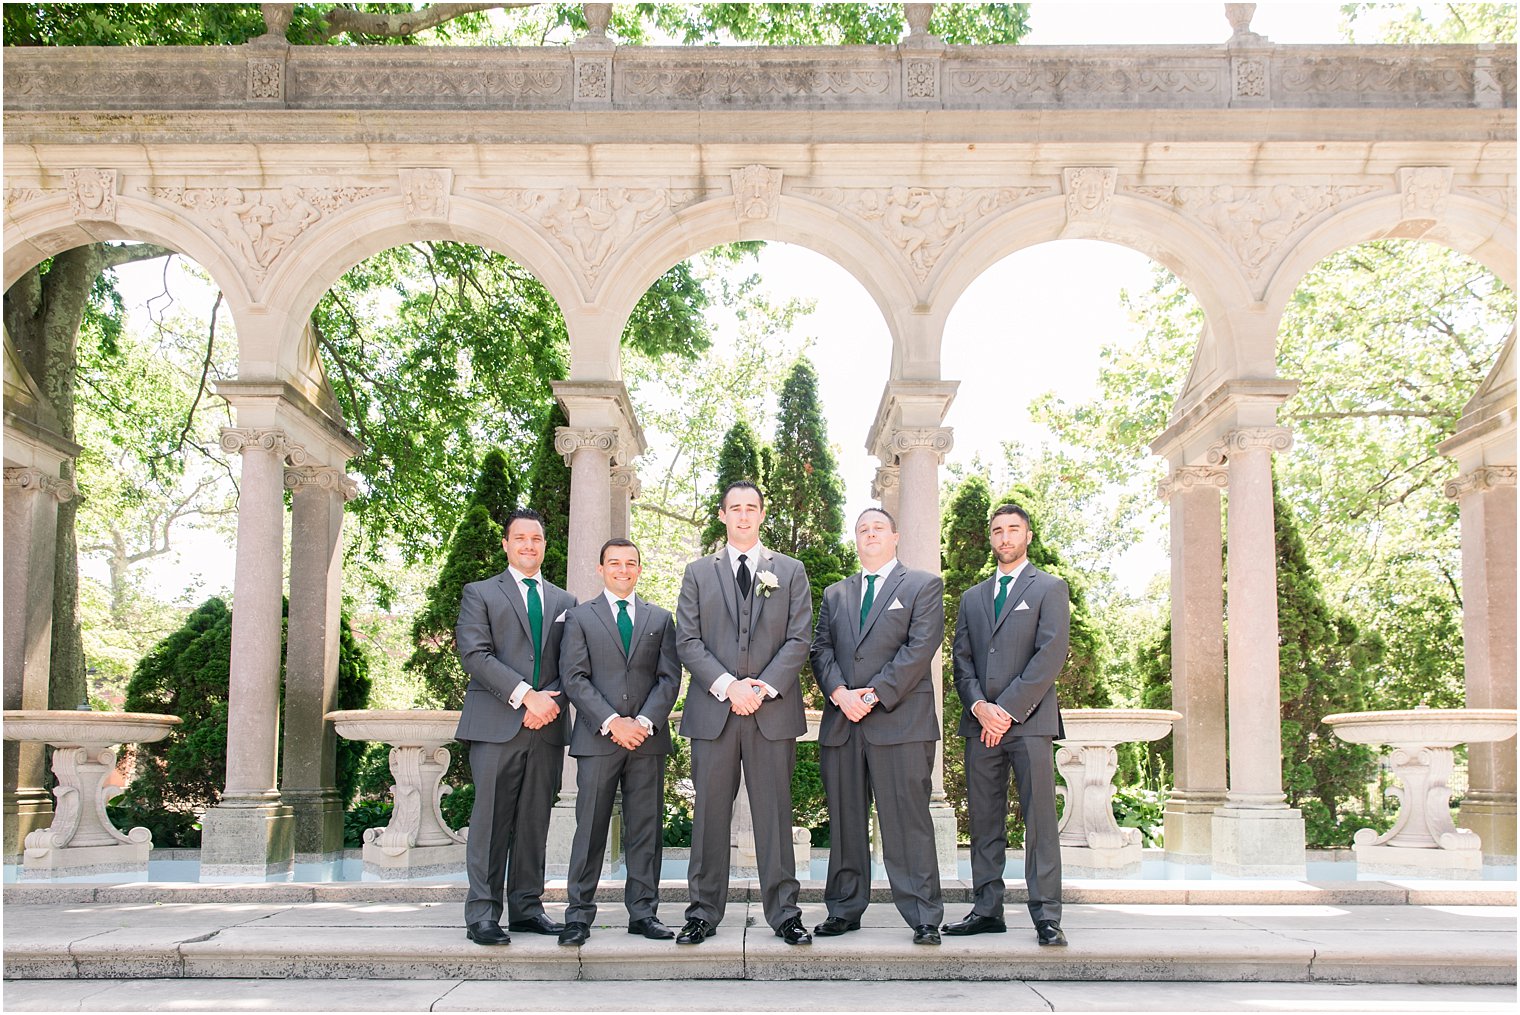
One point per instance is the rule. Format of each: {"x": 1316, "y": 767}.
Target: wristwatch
{"x": 869, "y": 698}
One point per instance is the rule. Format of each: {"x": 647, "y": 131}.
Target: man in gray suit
{"x": 872, "y": 652}
{"x": 1011, "y": 638}
{"x": 618, "y": 663}
{"x": 508, "y": 638}
{"x": 742, "y": 626}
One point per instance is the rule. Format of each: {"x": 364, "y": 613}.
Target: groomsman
{"x": 1011, "y": 639}
{"x": 619, "y": 667}
{"x": 872, "y": 652}
{"x": 742, "y": 626}
{"x": 512, "y": 722}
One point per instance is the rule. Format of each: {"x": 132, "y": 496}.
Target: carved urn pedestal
{"x": 417, "y": 843}
{"x": 1092, "y": 843}
{"x": 81, "y": 841}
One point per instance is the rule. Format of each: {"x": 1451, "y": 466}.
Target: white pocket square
{"x": 896, "y": 605}
{"x": 1022, "y": 606}
{"x": 561, "y": 618}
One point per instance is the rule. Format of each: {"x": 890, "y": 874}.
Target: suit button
{"x": 858, "y": 658}
{"x": 992, "y": 651}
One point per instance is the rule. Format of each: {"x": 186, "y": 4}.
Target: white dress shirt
{"x": 612, "y": 603}
{"x": 881, "y": 577}
{"x": 997, "y": 579}
{"x": 752, "y": 557}
{"x": 523, "y": 687}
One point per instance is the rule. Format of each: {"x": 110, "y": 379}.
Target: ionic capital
{"x": 626, "y": 477}
{"x": 321, "y": 477}
{"x": 939, "y": 439}
{"x": 23, "y": 478}
{"x": 570, "y": 439}
{"x": 1252, "y": 438}
{"x": 1187, "y": 478}
{"x": 1485, "y": 477}
{"x": 238, "y": 440}
{"x": 888, "y": 479}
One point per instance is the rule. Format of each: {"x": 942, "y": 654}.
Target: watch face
{"x": 869, "y": 698}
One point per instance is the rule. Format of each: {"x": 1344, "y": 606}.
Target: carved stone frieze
{"x": 322, "y": 477}
{"x": 1186, "y": 478}
{"x": 1074, "y": 81}
{"x": 921, "y": 79}
{"x": 588, "y": 223}
{"x": 15, "y": 197}
{"x": 1254, "y": 222}
{"x": 262, "y": 224}
{"x": 266, "y": 79}
{"x": 469, "y": 85}
{"x": 1369, "y": 75}
{"x": 757, "y": 192}
{"x": 35, "y": 479}
{"x": 1423, "y": 191}
{"x": 938, "y": 439}
{"x": 426, "y": 193}
{"x": 1276, "y": 439}
{"x": 1250, "y": 77}
{"x": 570, "y": 439}
{"x": 1485, "y": 477}
{"x": 751, "y": 80}
{"x": 921, "y": 222}
{"x": 92, "y": 194}
{"x": 1504, "y": 197}
{"x": 593, "y": 78}
{"x": 1089, "y": 192}
{"x": 238, "y": 440}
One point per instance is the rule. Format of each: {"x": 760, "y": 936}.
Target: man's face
{"x": 524, "y": 543}
{"x": 874, "y": 540}
{"x": 1010, "y": 539}
{"x": 742, "y": 514}
{"x": 620, "y": 570}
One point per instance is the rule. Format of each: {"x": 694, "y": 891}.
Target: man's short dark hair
{"x": 1011, "y": 509}
{"x": 740, "y": 484}
{"x": 601, "y": 558}
{"x": 525, "y": 513}
{"x": 879, "y": 511}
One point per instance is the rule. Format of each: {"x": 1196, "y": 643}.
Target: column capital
{"x": 1252, "y": 438}
{"x": 1479, "y": 480}
{"x": 570, "y": 439}
{"x": 939, "y": 439}
{"x": 625, "y": 477}
{"x": 26, "y": 478}
{"x": 236, "y": 440}
{"x": 1187, "y": 478}
{"x": 888, "y": 480}
{"x": 321, "y": 477}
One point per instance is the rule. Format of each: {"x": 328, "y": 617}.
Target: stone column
{"x": 308, "y": 783}
{"x": 32, "y": 497}
{"x": 1255, "y": 833}
{"x": 1198, "y": 745}
{"x": 885, "y": 488}
{"x": 1487, "y": 499}
{"x": 625, "y": 490}
{"x": 249, "y": 832}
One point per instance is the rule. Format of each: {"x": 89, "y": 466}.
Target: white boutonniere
{"x": 767, "y": 583}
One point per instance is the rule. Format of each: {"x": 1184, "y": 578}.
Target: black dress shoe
{"x": 835, "y": 926}
{"x": 794, "y": 933}
{"x": 975, "y": 924}
{"x": 575, "y": 933}
{"x": 695, "y": 932}
{"x": 539, "y": 924}
{"x": 925, "y": 934}
{"x": 487, "y": 932}
{"x": 1048, "y": 932}
{"x": 652, "y": 928}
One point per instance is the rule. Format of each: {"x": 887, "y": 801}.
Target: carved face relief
{"x": 92, "y": 194}
{"x": 757, "y": 192}
{"x": 1424, "y": 190}
{"x": 1089, "y": 191}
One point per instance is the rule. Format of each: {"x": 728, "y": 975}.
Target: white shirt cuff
{"x": 719, "y": 687}
{"x": 645, "y": 722}
{"x": 770, "y": 692}
{"x": 521, "y": 692}
{"x": 607, "y": 725}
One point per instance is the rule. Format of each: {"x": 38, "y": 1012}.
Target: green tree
{"x": 739, "y": 458}
{"x": 1447, "y": 22}
{"x": 551, "y": 497}
{"x": 966, "y": 552}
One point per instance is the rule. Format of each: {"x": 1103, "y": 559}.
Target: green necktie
{"x": 997, "y": 604}
{"x": 535, "y": 623}
{"x": 625, "y": 624}
{"x": 865, "y": 604}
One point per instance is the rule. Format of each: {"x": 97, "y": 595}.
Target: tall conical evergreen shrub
{"x": 551, "y": 497}
{"x": 739, "y": 458}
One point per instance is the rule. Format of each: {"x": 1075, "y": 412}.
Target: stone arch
{"x": 807, "y": 223}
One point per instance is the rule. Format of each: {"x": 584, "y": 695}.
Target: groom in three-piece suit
{"x": 514, "y": 725}
{"x": 743, "y": 621}
{"x": 873, "y": 649}
{"x": 619, "y": 667}
{"x": 1011, "y": 640}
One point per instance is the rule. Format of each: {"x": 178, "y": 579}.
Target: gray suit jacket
{"x": 603, "y": 682}
{"x": 893, "y": 653}
{"x": 496, "y": 650}
{"x": 1014, "y": 661}
{"x": 768, "y": 642}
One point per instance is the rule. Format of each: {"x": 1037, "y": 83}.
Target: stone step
{"x": 324, "y": 940}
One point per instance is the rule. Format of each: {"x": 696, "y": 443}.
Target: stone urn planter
{"x": 81, "y": 841}
{"x": 417, "y": 843}
{"x": 1424, "y": 841}
{"x": 1092, "y": 842}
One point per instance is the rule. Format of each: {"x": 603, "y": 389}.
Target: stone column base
{"x": 416, "y": 862}
{"x": 1413, "y": 862}
{"x": 1492, "y": 819}
{"x": 317, "y": 816}
{"x": 85, "y": 861}
{"x": 1188, "y": 826}
{"x": 27, "y": 810}
{"x": 242, "y": 841}
{"x": 945, "y": 839}
{"x": 1109, "y": 862}
{"x": 1258, "y": 843}
{"x": 561, "y": 839}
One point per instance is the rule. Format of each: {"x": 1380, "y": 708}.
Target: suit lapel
{"x": 756, "y": 599}
{"x": 726, "y": 584}
{"x": 510, "y": 589}
{"x": 641, "y": 612}
{"x": 603, "y": 611}
{"x": 851, "y": 594}
{"x": 1015, "y": 593}
{"x": 883, "y": 599}
{"x": 545, "y": 586}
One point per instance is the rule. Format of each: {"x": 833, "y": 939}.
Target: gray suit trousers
{"x": 598, "y": 778}
{"x": 515, "y": 783}
{"x": 987, "y": 793}
{"x": 768, "y": 768}
{"x": 898, "y": 777}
